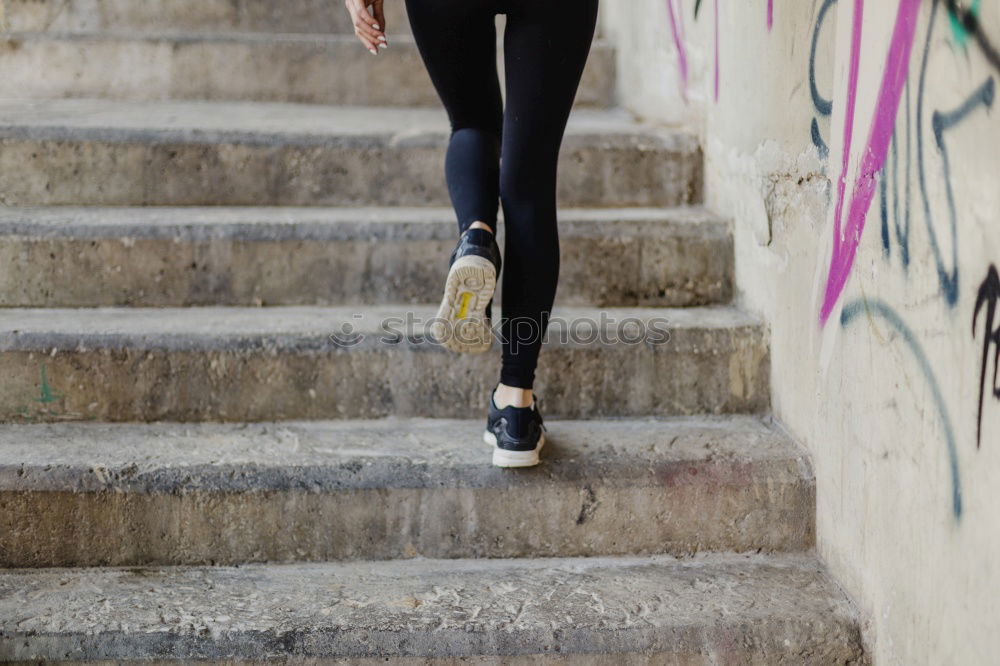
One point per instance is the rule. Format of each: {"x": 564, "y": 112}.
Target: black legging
{"x": 546, "y": 43}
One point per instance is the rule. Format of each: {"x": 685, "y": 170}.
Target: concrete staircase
{"x": 195, "y": 465}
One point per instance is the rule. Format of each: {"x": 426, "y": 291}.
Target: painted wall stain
{"x": 47, "y": 394}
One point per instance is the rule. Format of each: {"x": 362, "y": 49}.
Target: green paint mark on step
{"x": 47, "y": 394}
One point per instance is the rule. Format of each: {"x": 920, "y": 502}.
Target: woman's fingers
{"x": 366, "y": 42}
{"x": 360, "y": 15}
{"x": 377, "y": 9}
{"x": 366, "y": 28}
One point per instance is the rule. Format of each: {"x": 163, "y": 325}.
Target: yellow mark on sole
{"x": 464, "y": 307}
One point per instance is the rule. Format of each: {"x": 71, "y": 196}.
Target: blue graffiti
{"x": 942, "y": 122}
{"x": 895, "y": 203}
{"x": 851, "y": 312}
{"x": 824, "y": 107}
{"x": 889, "y": 181}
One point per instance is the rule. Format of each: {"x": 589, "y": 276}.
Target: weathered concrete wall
{"x": 870, "y": 269}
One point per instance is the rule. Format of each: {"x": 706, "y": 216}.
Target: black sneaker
{"x": 516, "y": 434}
{"x": 463, "y": 320}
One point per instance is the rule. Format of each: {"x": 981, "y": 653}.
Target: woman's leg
{"x": 546, "y": 44}
{"x": 457, "y": 41}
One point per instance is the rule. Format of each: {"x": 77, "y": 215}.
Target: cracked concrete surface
{"x": 271, "y": 537}
{"x": 247, "y": 364}
{"x": 100, "y": 152}
{"x": 197, "y": 16}
{"x": 708, "y": 610}
{"x": 185, "y": 494}
{"x": 300, "y": 68}
{"x": 81, "y": 257}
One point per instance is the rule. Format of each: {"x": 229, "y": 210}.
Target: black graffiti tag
{"x": 989, "y": 296}
{"x": 968, "y": 19}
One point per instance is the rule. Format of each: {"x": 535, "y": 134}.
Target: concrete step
{"x": 82, "y": 257}
{"x": 276, "y": 16}
{"x": 313, "y": 68}
{"x": 251, "y": 364}
{"x": 126, "y": 494}
{"x": 102, "y": 152}
{"x": 719, "y": 609}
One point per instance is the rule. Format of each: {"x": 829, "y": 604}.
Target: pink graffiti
{"x": 677, "y": 29}
{"x": 897, "y": 61}
{"x": 852, "y": 95}
{"x": 716, "y": 50}
{"x": 770, "y": 14}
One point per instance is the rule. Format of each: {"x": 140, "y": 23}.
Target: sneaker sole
{"x": 505, "y": 458}
{"x": 461, "y": 324}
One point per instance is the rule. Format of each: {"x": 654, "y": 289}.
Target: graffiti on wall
{"x": 880, "y": 164}
{"x": 965, "y": 23}
{"x": 904, "y": 161}
{"x": 822, "y": 105}
{"x": 676, "y": 16}
{"x": 986, "y": 302}
{"x": 847, "y": 232}
{"x": 677, "y": 32}
{"x": 885, "y": 313}
{"x": 912, "y": 133}
{"x": 958, "y": 30}
{"x": 906, "y": 158}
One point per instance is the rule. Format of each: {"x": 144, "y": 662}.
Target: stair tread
{"x": 183, "y": 256}
{"x": 279, "y": 16}
{"x": 124, "y": 35}
{"x": 203, "y": 119}
{"x": 235, "y": 363}
{"x": 306, "y": 322}
{"x": 319, "y": 221}
{"x": 390, "y": 453}
{"x": 112, "y": 34}
{"x": 307, "y": 68}
{"x": 169, "y": 493}
{"x": 105, "y": 152}
{"x": 778, "y": 606}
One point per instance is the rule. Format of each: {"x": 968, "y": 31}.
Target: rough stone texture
{"x": 313, "y": 68}
{"x": 885, "y": 394}
{"x": 197, "y": 16}
{"x": 708, "y": 610}
{"x": 78, "y": 257}
{"x": 141, "y": 494}
{"x": 99, "y": 152}
{"x": 129, "y": 16}
{"x": 236, "y": 364}
{"x": 91, "y": 494}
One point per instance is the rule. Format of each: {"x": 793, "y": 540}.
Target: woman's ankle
{"x": 481, "y": 225}
{"x": 505, "y": 396}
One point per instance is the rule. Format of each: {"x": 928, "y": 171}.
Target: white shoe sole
{"x": 505, "y": 458}
{"x": 461, "y": 324}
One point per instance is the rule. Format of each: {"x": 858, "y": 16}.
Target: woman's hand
{"x": 368, "y": 26}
